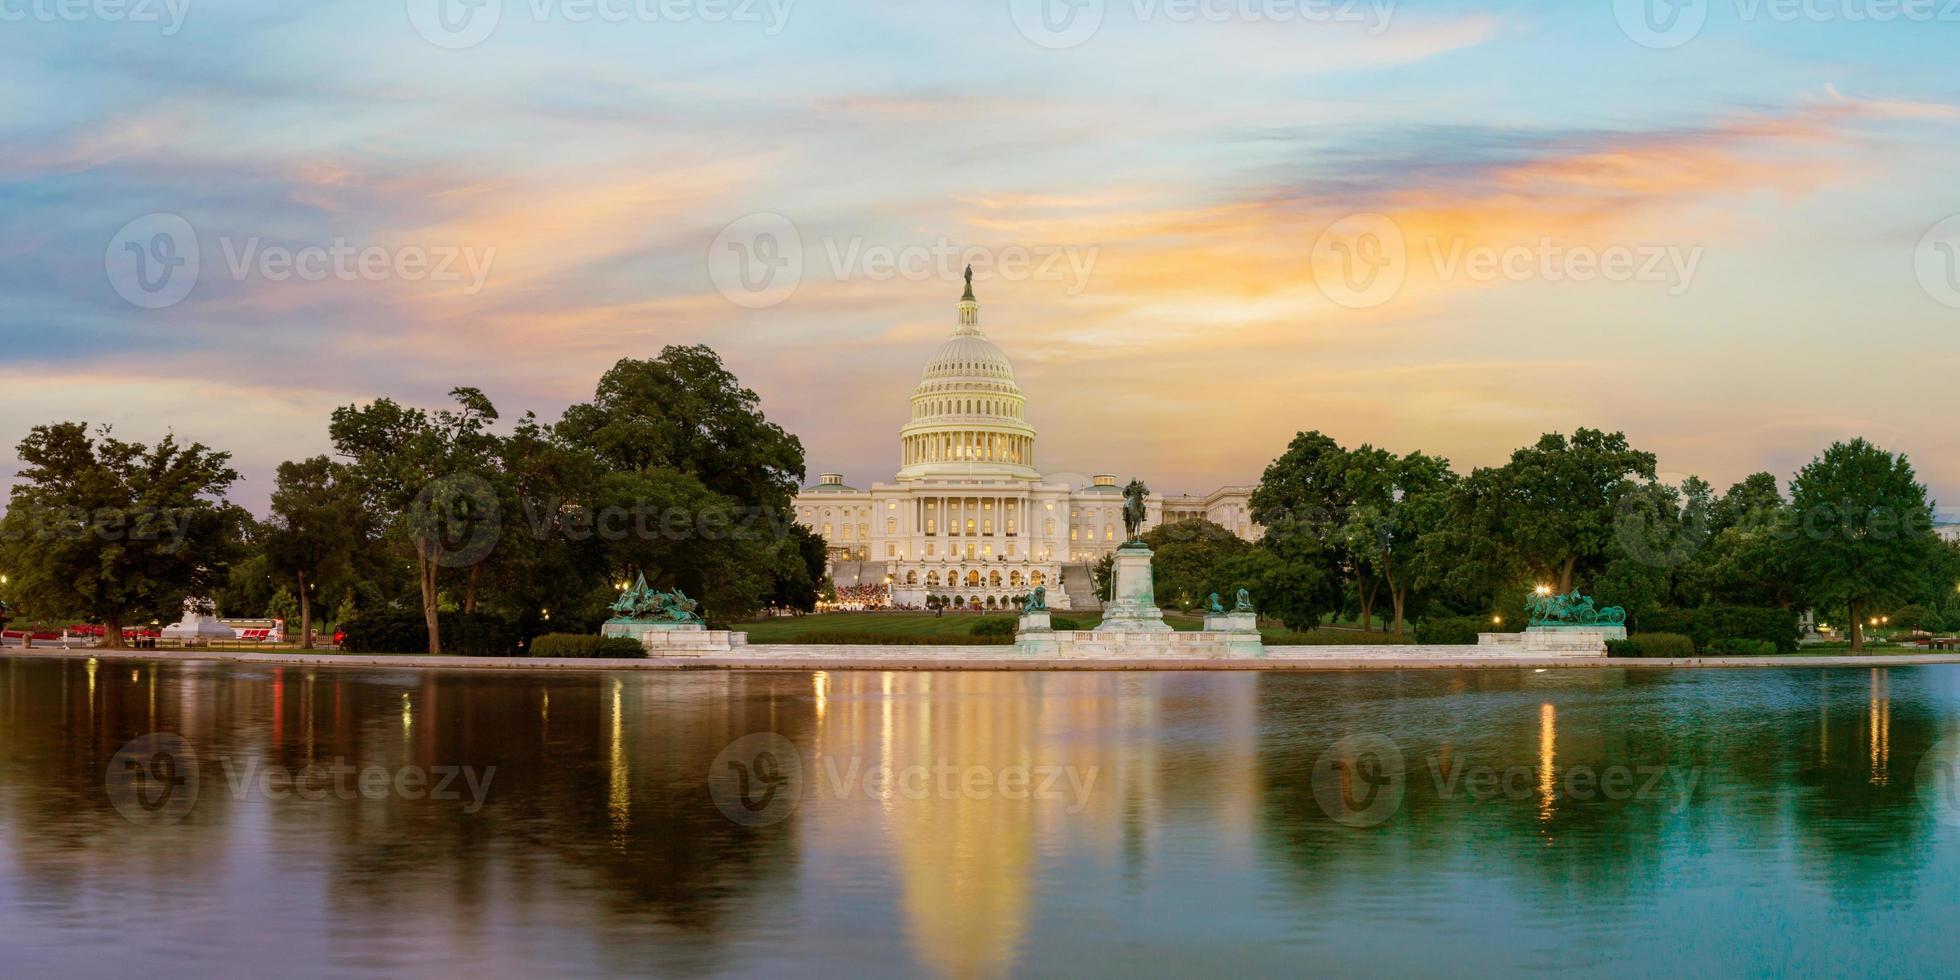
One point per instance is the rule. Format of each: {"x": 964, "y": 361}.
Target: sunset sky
{"x": 1190, "y": 176}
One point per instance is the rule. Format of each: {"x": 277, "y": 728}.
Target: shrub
{"x": 846, "y": 638}
{"x": 1457, "y": 629}
{"x": 621, "y": 648}
{"x": 1335, "y": 638}
{"x": 1741, "y": 648}
{"x": 1057, "y": 622}
{"x": 1707, "y": 624}
{"x": 403, "y": 631}
{"x": 994, "y": 627}
{"x": 565, "y": 646}
{"x": 583, "y": 646}
{"x": 1651, "y": 645}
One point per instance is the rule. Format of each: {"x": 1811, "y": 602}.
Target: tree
{"x": 1288, "y": 582}
{"x": 1550, "y": 513}
{"x": 316, "y": 523}
{"x": 685, "y": 411}
{"x": 418, "y": 477}
{"x": 1188, "y": 556}
{"x": 1750, "y": 557}
{"x": 1865, "y": 531}
{"x": 1393, "y": 504}
{"x": 678, "y": 435}
{"x": 115, "y": 530}
{"x": 1304, "y": 501}
{"x": 806, "y": 558}
{"x": 1104, "y": 574}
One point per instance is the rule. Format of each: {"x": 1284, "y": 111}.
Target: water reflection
{"x": 977, "y": 824}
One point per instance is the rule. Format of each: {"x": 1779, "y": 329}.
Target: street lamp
{"x": 1544, "y": 590}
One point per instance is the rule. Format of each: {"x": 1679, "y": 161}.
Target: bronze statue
{"x": 1213, "y": 605}
{"x": 1245, "y": 602}
{"x": 640, "y": 604}
{"x": 1037, "y": 601}
{"x": 1134, "y": 496}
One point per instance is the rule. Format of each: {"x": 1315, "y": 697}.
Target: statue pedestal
{"x": 1133, "y": 599}
{"x": 198, "y": 628}
{"x": 1231, "y": 622}
{"x": 1035, "y": 622}
{"x": 677, "y": 639}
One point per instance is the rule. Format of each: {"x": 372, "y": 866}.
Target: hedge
{"x": 403, "y": 631}
{"x": 1336, "y": 638}
{"x": 584, "y": 646}
{"x": 1651, "y": 645}
{"x": 995, "y": 627}
{"x": 1709, "y": 625}
{"x": 846, "y": 638}
{"x": 1456, "y": 629}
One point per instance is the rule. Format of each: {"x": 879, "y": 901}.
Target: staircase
{"x": 1080, "y": 583}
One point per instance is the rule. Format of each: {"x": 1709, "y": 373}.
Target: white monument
{"x": 1132, "y": 606}
{"x": 200, "y": 625}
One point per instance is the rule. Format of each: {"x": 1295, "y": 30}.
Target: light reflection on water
{"x": 976, "y": 824}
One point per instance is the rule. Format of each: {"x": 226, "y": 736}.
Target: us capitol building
{"x": 969, "y": 516}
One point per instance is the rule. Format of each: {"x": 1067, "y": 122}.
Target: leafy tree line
{"x": 671, "y": 468}
{"x": 1380, "y": 536}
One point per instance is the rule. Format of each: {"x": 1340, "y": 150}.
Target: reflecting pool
{"x": 236, "y": 820}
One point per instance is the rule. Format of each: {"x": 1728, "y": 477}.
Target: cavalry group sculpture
{"x": 641, "y": 604}
{"x": 1548, "y": 609}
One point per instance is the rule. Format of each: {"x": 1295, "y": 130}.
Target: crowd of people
{"x": 859, "y": 598}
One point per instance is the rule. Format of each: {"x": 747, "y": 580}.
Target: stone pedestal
{"x": 1231, "y": 622}
{"x": 1589, "y": 641}
{"x": 1133, "y": 599}
{"x": 198, "y": 627}
{"x": 1239, "y": 631}
{"x": 677, "y": 639}
{"x": 1035, "y": 622}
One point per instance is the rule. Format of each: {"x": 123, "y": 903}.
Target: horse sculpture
{"x": 1549, "y": 609}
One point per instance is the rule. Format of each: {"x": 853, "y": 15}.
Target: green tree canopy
{"x": 117, "y": 531}
{"x": 1864, "y": 531}
{"x": 685, "y": 411}
{"x": 1550, "y": 513}
{"x": 425, "y": 481}
{"x": 1189, "y": 556}
{"x": 317, "y": 523}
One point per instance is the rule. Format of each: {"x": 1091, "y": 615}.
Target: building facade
{"x": 969, "y": 515}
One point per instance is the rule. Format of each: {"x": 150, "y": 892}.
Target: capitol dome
{"x": 968, "y": 415}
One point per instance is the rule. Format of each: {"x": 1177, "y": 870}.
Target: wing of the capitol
{"x": 969, "y": 515}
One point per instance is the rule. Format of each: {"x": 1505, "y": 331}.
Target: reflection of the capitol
{"x": 992, "y": 771}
